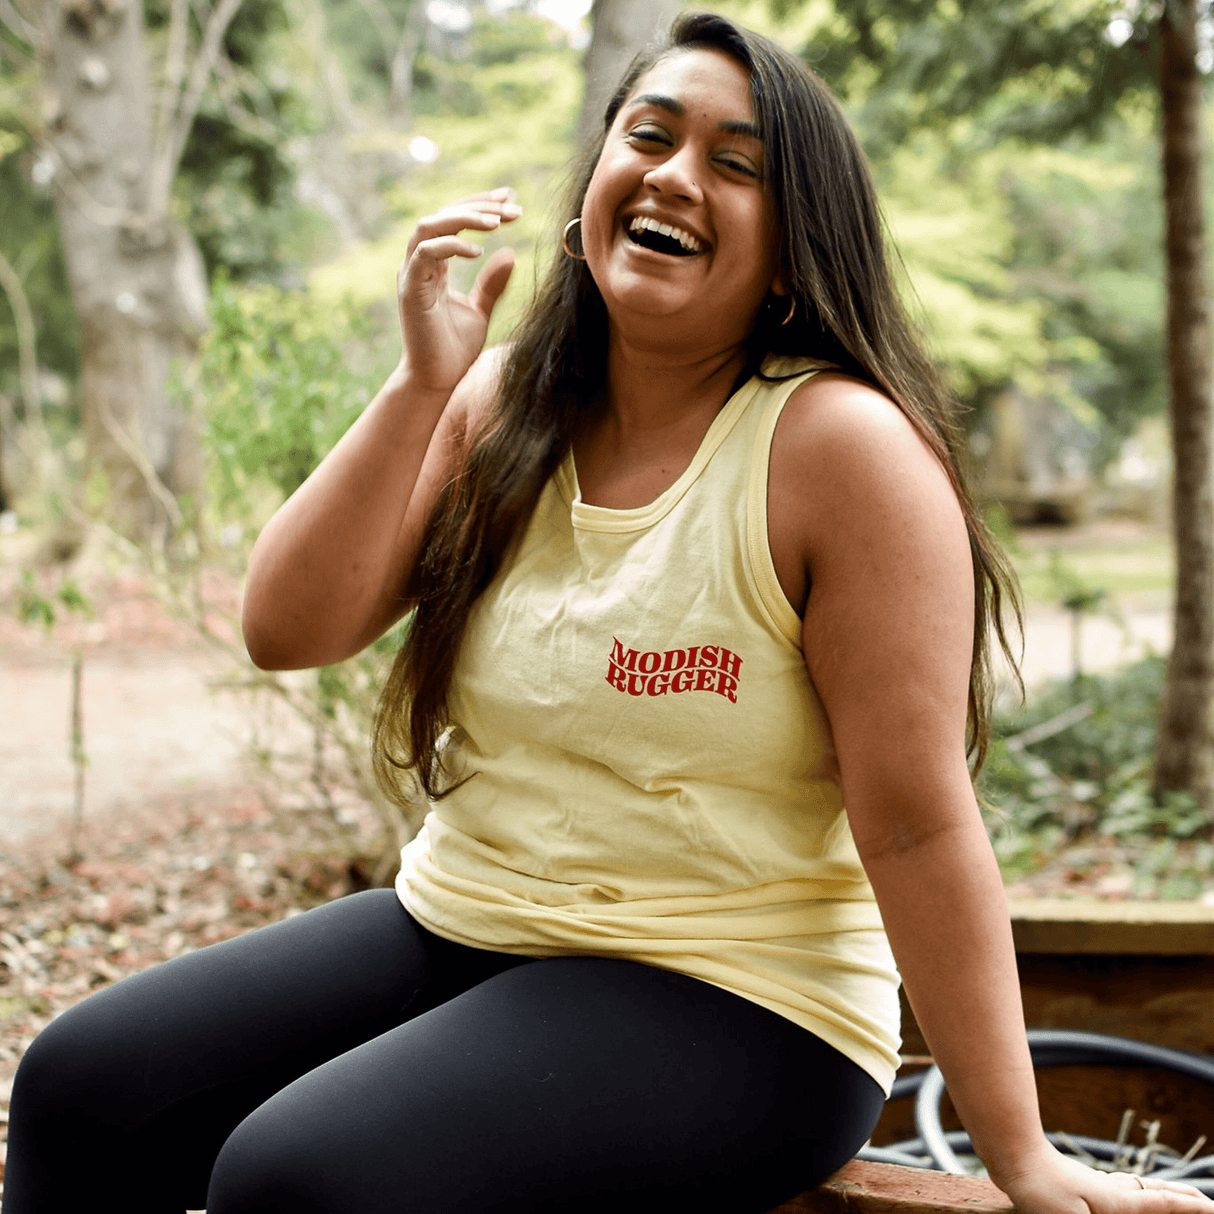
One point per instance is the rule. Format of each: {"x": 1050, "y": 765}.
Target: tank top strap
{"x": 761, "y": 572}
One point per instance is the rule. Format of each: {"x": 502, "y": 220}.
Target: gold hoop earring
{"x": 565, "y": 239}
{"x": 792, "y": 308}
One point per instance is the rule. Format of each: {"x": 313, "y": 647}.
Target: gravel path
{"x": 154, "y": 723}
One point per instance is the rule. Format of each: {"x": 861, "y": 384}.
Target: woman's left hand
{"x": 1059, "y": 1185}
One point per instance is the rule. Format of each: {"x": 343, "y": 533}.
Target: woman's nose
{"x": 676, "y": 175}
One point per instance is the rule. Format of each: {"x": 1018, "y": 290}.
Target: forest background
{"x": 287, "y": 149}
{"x": 291, "y": 172}
{"x": 295, "y": 144}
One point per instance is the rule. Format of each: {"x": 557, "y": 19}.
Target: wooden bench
{"x": 885, "y": 1188}
{"x": 1143, "y": 970}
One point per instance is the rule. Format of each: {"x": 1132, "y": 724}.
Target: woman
{"x": 692, "y": 571}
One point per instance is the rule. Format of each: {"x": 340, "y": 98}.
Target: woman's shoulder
{"x": 471, "y": 404}
{"x": 850, "y": 473}
{"x": 837, "y": 429}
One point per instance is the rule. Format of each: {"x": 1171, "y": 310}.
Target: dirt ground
{"x": 160, "y": 714}
{"x": 158, "y": 719}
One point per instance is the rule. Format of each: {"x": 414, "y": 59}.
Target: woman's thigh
{"x": 146, "y": 1079}
{"x": 561, "y": 1083}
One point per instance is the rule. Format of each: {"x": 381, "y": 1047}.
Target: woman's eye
{"x": 740, "y": 166}
{"x": 649, "y": 134}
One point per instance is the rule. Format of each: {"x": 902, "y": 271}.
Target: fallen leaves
{"x": 177, "y": 874}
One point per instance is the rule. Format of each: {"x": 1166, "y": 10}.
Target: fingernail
{"x": 511, "y": 209}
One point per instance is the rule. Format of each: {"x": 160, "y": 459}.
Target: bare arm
{"x": 887, "y": 638}
{"x": 326, "y": 574}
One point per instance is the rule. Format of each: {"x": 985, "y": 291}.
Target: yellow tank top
{"x": 654, "y": 774}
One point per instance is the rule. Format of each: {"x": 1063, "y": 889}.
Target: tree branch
{"x": 230, "y": 80}
{"x": 174, "y": 74}
{"x": 384, "y": 25}
{"x": 24, "y": 29}
{"x": 178, "y": 127}
{"x": 23, "y": 318}
{"x": 406, "y": 51}
{"x": 134, "y": 452}
{"x": 400, "y": 46}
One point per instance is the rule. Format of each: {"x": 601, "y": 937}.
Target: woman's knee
{"x": 76, "y": 1067}
{"x": 266, "y": 1166}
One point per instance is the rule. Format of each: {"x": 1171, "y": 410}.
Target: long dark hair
{"x": 847, "y": 312}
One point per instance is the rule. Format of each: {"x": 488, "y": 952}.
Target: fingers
{"x": 442, "y": 247}
{"x": 1162, "y": 1196}
{"x": 491, "y": 281}
{"x": 479, "y": 212}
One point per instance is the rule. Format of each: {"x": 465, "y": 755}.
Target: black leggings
{"x": 348, "y": 1060}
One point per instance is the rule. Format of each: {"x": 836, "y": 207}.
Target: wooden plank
{"x": 1090, "y": 1100}
{"x": 1082, "y": 925}
{"x": 1167, "y": 1000}
{"x": 882, "y": 1188}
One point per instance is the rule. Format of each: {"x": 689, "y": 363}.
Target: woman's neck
{"x": 653, "y": 389}
{"x": 654, "y": 413}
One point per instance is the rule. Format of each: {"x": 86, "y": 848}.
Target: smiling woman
{"x": 676, "y": 220}
{"x": 700, "y": 609}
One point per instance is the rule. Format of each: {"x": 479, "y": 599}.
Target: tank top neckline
{"x": 587, "y": 517}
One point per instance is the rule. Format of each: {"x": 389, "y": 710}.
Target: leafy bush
{"x": 1077, "y": 761}
{"x": 280, "y": 378}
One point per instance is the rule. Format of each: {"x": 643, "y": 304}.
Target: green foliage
{"x": 1088, "y": 244}
{"x": 351, "y": 31}
{"x": 1003, "y": 529}
{"x": 1028, "y": 121}
{"x": 1091, "y": 777}
{"x": 281, "y": 378}
{"x": 1133, "y": 565}
{"x": 234, "y": 187}
{"x": 459, "y": 84}
{"x": 29, "y": 240}
{"x": 513, "y": 36}
{"x": 1034, "y": 69}
{"x": 951, "y": 228}
{"x": 523, "y": 142}
{"x": 36, "y": 606}
{"x": 235, "y": 194}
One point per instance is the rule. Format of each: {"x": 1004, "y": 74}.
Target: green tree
{"x": 1043, "y": 71}
{"x": 109, "y": 101}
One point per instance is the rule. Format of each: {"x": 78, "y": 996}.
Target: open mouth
{"x": 663, "y": 237}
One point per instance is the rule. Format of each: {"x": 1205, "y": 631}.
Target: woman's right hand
{"x": 443, "y": 331}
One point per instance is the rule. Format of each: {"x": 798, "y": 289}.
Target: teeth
{"x": 686, "y": 239}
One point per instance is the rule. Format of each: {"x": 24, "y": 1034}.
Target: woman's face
{"x": 676, "y": 222}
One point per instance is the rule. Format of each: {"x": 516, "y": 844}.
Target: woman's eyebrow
{"x": 677, "y": 108}
{"x": 731, "y": 126}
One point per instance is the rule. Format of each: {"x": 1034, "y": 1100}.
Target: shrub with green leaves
{"x": 1077, "y": 761}
{"x": 281, "y": 377}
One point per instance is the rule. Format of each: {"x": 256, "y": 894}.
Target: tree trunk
{"x": 137, "y": 278}
{"x": 621, "y": 28}
{"x": 1185, "y": 754}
